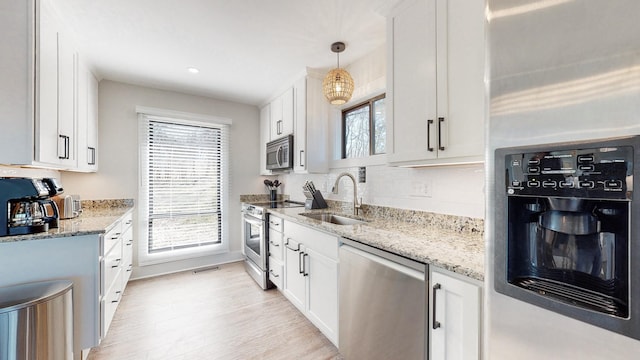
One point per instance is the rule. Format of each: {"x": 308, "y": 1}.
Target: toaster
{"x": 68, "y": 206}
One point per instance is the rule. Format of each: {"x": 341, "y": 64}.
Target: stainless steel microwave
{"x": 280, "y": 154}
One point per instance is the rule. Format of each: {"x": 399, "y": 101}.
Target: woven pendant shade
{"x": 337, "y": 86}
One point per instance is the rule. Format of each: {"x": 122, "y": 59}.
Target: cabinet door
{"x": 67, "y": 61}
{"x": 454, "y": 324}
{"x": 294, "y": 280}
{"x": 265, "y": 137}
{"x": 411, "y": 82}
{"x": 47, "y": 86}
{"x": 287, "y": 112}
{"x": 276, "y": 118}
{"x": 300, "y": 126}
{"x": 322, "y": 299}
{"x": 461, "y": 78}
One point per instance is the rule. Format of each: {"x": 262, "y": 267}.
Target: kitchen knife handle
{"x": 435, "y": 324}
{"x": 440, "y": 121}
{"x": 429, "y": 123}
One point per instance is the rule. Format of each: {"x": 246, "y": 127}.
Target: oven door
{"x": 254, "y": 241}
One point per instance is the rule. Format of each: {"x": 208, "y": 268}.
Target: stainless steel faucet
{"x": 356, "y": 204}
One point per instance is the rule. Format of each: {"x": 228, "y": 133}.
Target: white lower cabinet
{"x": 454, "y": 318}
{"x": 116, "y": 263}
{"x": 276, "y": 255}
{"x": 311, "y": 276}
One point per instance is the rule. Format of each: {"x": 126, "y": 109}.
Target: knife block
{"x": 315, "y": 201}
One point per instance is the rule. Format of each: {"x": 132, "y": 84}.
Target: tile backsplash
{"x": 453, "y": 190}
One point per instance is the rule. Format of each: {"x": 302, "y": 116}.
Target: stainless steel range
{"x": 255, "y": 239}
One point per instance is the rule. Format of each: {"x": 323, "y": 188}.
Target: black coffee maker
{"x": 26, "y": 205}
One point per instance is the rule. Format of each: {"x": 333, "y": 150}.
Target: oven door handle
{"x": 279, "y": 156}
{"x": 252, "y": 220}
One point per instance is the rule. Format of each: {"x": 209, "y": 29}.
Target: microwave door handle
{"x": 279, "y": 156}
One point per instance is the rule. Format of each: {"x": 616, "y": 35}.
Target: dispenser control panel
{"x": 600, "y": 172}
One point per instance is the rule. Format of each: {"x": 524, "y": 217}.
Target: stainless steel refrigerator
{"x": 559, "y": 71}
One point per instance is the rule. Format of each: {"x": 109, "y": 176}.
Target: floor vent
{"x": 210, "y": 268}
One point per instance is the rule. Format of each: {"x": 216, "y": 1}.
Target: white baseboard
{"x": 142, "y": 272}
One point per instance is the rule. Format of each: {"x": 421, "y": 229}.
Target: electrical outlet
{"x": 423, "y": 188}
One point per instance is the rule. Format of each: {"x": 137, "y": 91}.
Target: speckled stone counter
{"x": 448, "y": 242}
{"x": 95, "y": 219}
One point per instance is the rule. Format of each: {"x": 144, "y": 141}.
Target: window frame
{"x": 145, "y": 257}
{"x": 343, "y": 126}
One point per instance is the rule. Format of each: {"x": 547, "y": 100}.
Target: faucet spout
{"x": 356, "y": 204}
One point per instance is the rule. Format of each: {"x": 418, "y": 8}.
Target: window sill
{"x": 363, "y": 161}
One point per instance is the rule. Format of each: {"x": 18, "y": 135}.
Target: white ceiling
{"x": 245, "y": 49}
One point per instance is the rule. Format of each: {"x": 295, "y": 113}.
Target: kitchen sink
{"x": 334, "y": 219}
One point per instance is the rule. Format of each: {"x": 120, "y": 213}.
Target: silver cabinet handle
{"x": 274, "y": 244}
{"x": 436, "y": 324}
{"x": 272, "y": 273}
{"x": 301, "y": 157}
{"x": 117, "y": 261}
{"x": 301, "y": 262}
{"x": 286, "y": 244}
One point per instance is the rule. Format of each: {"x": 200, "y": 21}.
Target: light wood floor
{"x": 215, "y": 314}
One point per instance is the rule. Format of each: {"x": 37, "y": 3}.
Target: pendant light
{"x": 337, "y": 86}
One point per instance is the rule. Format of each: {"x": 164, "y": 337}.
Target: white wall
{"x": 454, "y": 190}
{"x": 117, "y": 177}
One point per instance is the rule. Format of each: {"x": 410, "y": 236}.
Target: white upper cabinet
{"x": 282, "y": 115}
{"x": 435, "y": 82}
{"x": 265, "y": 137}
{"x": 311, "y": 148}
{"x": 55, "y": 122}
{"x": 40, "y": 101}
{"x": 87, "y": 119}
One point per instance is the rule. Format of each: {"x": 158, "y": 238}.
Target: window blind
{"x": 184, "y": 184}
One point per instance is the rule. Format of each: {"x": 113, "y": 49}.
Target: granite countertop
{"x": 458, "y": 251}
{"x": 91, "y": 221}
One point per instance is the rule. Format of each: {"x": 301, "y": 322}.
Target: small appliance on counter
{"x": 26, "y": 206}
{"x": 69, "y": 206}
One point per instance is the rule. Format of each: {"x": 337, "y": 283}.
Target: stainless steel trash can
{"x": 36, "y": 321}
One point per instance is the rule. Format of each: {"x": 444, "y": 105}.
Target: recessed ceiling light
{"x": 193, "y": 70}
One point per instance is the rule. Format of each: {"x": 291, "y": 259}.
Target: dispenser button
{"x": 534, "y": 161}
{"x": 533, "y": 183}
{"x": 613, "y": 184}
{"x": 586, "y": 167}
{"x": 566, "y": 184}
{"x": 549, "y": 184}
{"x": 585, "y": 158}
{"x": 533, "y": 170}
{"x": 516, "y": 183}
{"x": 587, "y": 184}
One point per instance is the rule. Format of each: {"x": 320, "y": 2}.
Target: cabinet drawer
{"x": 276, "y": 223}
{"x": 110, "y": 302}
{"x": 111, "y": 266}
{"x": 111, "y": 237}
{"x": 275, "y": 272}
{"x": 126, "y": 221}
{"x": 275, "y": 244}
{"x": 320, "y": 242}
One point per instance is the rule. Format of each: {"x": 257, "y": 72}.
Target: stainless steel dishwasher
{"x": 383, "y": 305}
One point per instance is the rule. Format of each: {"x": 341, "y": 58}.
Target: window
{"x": 364, "y": 129}
{"x": 183, "y": 188}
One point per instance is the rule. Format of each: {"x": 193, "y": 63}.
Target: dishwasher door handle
{"x": 385, "y": 262}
